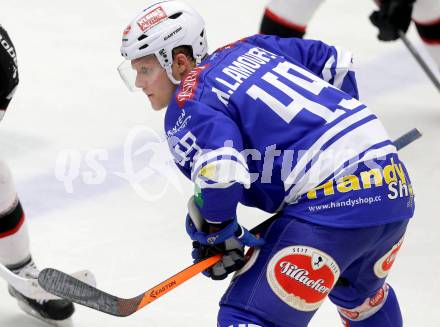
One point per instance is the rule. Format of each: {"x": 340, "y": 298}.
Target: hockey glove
{"x": 393, "y": 16}
{"x": 228, "y": 238}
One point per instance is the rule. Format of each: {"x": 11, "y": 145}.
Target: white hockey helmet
{"x": 161, "y": 27}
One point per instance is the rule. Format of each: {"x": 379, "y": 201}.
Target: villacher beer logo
{"x": 384, "y": 264}
{"x": 302, "y": 276}
{"x": 368, "y": 308}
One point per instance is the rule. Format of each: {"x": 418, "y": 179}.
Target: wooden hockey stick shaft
{"x": 65, "y": 286}
{"x": 420, "y": 60}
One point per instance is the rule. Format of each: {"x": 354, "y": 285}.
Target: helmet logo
{"x": 151, "y": 19}
{"x": 172, "y": 33}
{"x": 125, "y": 33}
{"x": 163, "y": 53}
{"x": 127, "y": 30}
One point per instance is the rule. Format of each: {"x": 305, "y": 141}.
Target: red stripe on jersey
{"x": 430, "y": 42}
{"x": 429, "y": 22}
{"x": 283, "y": 21}
{"x": 15, "y": 229}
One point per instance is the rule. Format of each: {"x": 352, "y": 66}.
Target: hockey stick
{"x": 407, "y": 138}
{"x": 420, "y": 60}
{"x": 29, "y": 286}
{"x": 67, "y": 287}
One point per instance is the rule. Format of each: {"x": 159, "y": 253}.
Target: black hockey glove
{"x": 393, "y": 16}
{"x": 228, "y": 238}
{"x": 8, "y": 69}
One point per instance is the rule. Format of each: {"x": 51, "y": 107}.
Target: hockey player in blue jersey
{"x": 276, "y": 124}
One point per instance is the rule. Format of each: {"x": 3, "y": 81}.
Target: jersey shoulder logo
{"x": 188, "y": 86}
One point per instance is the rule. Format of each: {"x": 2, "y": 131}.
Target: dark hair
{"x": 185, "y": 49}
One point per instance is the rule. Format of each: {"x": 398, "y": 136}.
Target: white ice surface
{"x": 71, "y": 97}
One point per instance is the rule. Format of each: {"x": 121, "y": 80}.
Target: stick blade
{"x": 72, "y": 289}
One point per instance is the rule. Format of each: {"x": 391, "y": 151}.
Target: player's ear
{"x": 182, "y": 64}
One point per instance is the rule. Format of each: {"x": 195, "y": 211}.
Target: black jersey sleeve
{"x": 8, "y": 69}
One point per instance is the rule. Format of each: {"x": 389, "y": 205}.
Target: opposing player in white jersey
{"x": 290, "y": 18}
{"x": 275, "y": 124}
{"x": 14, "y": 239}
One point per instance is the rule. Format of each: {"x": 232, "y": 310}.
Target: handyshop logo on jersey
{"x": 384, "y": 264}
{"x": 393, "y": 175}
{"x": 302, "y": 276}
{"x": 189, "y": 85}
{"x": 151, "y": 19}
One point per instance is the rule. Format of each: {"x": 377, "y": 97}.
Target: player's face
{"x": 152, "y": 78}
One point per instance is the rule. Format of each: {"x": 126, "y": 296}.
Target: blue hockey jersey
{"x": 276, "y": 124}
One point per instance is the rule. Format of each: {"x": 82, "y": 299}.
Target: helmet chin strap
{"x": 170, "y": 75}
{"x": 169, "y": 70}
